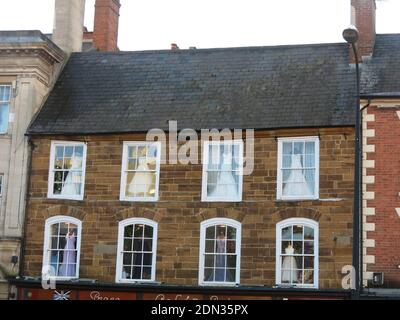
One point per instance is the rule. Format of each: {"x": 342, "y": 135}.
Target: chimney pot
{"x": 174, "y": 46}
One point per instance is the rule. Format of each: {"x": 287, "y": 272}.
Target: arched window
{"x": 220, "y": 241}
{"x": 297, "y": 252}
{"x": 137, "y": 248}
{"x": 62, "y": 245}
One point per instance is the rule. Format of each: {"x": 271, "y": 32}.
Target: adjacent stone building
{"x": 29, "y": 63}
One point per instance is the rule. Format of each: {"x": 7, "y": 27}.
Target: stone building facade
{"x": 29, "y": 63}
{"x": 180, "y": 211}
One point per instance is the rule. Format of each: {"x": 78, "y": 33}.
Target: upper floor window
{"x": 137, "y": 248}
{"x": 67, "y": 170}
{"x": 220, "y": 241}
{"x": 5, "y": 98}
{"x": 297, "y": 252}
{"x": 62, "y": 243}
{"x": 222, "y": 171}
{"x": 298, "y": 168}
{"x": 1, "y": 184}
{"x": 140, "y": 171}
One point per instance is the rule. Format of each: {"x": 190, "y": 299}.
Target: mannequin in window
{"x": 289, "y": 266}
{"x": 296, "y": 184}
{"x": 220, "y": 257}
{"x": 68, "y": 267}
{"x": 142, "y": 180}
{"x": 73, "y": 180}
{"x": 225, "y": 184}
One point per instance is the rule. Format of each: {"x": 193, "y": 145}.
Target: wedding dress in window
{"x": 220, "y": 260}
{"x": 73, "y": 180}
{"x": 289, "y": 266}
{"x": 296, "y": 184}
{"x": 141, "y": 181}
{"x": 68, "y": 267}
{"x": 226, "y": 185}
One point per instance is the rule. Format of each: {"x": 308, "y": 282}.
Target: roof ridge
{"x": 275, "y": 47}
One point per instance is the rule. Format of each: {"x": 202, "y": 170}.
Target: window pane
{"x": 298, "y": 247}
{"x": 287, "y": 148}
{"x": 210, "y": 245}
{"x": 298, "y": 147}
{"x": 126, "y": 272}
{"x": 148, "y": 245}
{"x": 286, "y": 161}
{"x": 208, "y": 274}
{"x": 231, "y": 246}
{"x": 148, "y": 231}
{"x": 309, "y": 161}
{"x": 128, "y": 231}
{"x": 308, "y": 247}
{"x": 309, "y": 262}
{"x": 147, "y": 259}
{"x": 298, "y": 232}
{"x": 127, "y": 259}
{"x": 231, "y": 261}
{"x": 231, "y": 275}
{"x": 128, "y": 245}
{"x": 308, "y": 233}
{"x": 139, "y": 229}
{"x": 287, "y": 247}
{"x": 137, "y": 259}
{"x": 209, "y": 260}
{"x": 69, "y": 151}
{"x": 137, "y": 273}
{"x": 287, "y": 233}
{"x": 146, "y": 273}
{"x": 141, "y": 184}
{"x": 231, "y": 233}
{"x": 308, "y": 276}
{"x": 137, "y": 245}
{"x": 4, "y": 109}
{"x": 310, "y": 148}
{"x": 210, "y": 232}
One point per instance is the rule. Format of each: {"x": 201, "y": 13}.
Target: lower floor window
{"x": 220, "y": 251}
{"x": 136, "y": 250}
{"x": 62, "y": 246}
{"x": 297, "y": 252}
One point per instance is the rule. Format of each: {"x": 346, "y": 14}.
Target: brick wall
{"x": 106, "y": 21}
{"x": 382, "y": 247}
{"x": 179, "y": 211}
{"x": 364, "y": 18}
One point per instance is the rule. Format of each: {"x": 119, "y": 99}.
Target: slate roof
{"x": 381, "y": 74}
{"x": 250, "y": 87}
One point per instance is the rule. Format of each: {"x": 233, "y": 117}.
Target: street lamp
{"x": 351, "y": 36}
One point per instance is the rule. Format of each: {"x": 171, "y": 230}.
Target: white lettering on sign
{"x": 96, "y": 295}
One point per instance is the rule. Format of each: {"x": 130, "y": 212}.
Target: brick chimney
{"x": 363, "y": 17}
{"x": 106, "y": 18}
{"x": 68, "y": 24}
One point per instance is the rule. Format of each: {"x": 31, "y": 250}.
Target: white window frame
{"x": 47, "y": 242}
{"x": 9, "y": 106}
{"x": 206, "y": 151}
{"x": 121, "y": 230}
{"x": 290, "y": 222}
{"x": 50, "y": 188}
{"x": 279, "y": 188}
{"x": 1, "y": 184}
{"x": 203, "y": 227}
{"x": 124, "y": 175}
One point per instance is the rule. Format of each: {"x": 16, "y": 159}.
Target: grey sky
{"x": 154, "y": 24}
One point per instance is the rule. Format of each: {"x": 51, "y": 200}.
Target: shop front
{"x": 28, "y": 289}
